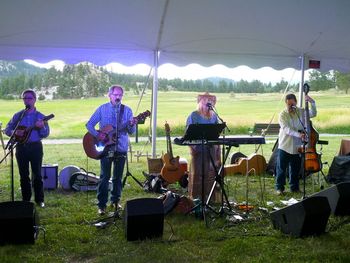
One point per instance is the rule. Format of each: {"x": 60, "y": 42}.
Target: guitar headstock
{"x": 48, "y": 117}
{"x": 142, "y": 116}
{"x": 306, "y": 88}
{"x": 167, "y": 128}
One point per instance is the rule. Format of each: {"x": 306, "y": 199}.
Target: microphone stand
{"x": 127, "y": 173}
{"x": 10, "y": 146}
{"x": 305, "y": 141}
{"x": 219, "y": 173}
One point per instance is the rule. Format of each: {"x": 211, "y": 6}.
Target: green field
{"x": 239, "y": 111}
{"x": 69, "y": 216}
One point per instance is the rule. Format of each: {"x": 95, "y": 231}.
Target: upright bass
{"x": 312, "y": 163}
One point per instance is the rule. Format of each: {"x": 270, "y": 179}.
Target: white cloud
{"x": 195, "y": 71}
{"x": 58, "y": 64}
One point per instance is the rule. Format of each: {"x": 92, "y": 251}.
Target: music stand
{"x": 203, "y": 132}
{"x": 208, "y": 132}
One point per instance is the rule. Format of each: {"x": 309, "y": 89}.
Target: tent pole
{"x": 154, "y": 103}
{"x": 301, "y": 84}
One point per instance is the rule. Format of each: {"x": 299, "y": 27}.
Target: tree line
{"x": 87, "y": 80}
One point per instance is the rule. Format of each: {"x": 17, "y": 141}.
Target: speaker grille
{"x": 18, "y": 221}
{"x": 143, "y": 218}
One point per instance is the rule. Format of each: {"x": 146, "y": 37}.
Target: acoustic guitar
{"x": 95, "y": 149}
{"x": 171, "y": 171}
{"x": 253, "y": 164}
{"x": 28, "y": 130}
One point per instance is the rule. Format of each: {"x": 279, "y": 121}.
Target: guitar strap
{"x": 121, "y": 113}
{"x": 120, "y": 118}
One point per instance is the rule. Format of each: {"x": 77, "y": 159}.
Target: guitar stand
{"x": 204, "y": 133}
{"x": 128, "y": 174}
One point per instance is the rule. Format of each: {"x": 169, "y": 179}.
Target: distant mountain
{"x": 14, "y": 68}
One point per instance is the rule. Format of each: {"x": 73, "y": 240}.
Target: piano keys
{"x": 228, "y": 140}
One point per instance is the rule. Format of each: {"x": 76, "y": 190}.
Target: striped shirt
{"x": 106, "y": 114}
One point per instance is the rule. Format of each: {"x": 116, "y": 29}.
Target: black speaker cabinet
{"x": 143, "y": 218}
{"x": 338, "y": 198}
{"x": 49, "y": 174}
{"x": 18, "y": 223}
{"x": 306, "y": 218}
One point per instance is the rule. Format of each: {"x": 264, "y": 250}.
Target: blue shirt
{"x": 196, "y": 118}
{"x": 29, "y": 120}
{"x": 106, "y": 115}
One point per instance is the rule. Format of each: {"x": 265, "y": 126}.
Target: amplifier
{"x": 49, "y": 174}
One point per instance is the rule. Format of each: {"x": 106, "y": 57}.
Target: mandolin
{"x": 253, "y": 164}
{"x": 171, "y": 171}
{"x": 28, "y": 130}
{"x": 95, "y": 149}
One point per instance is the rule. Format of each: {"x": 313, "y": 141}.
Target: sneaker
{"x": 41, "y": 204}
{"x": 116, "y": 206}
{"x": 101, "y": 211}
{"x": 279, "y": 192}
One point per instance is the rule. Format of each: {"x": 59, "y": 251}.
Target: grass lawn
{"x": 69, "y": 216}
{"x": 71, "y": 237}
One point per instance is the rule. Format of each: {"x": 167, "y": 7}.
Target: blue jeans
{"x": 103, "y": 184}
{"x": 293, "y": 163}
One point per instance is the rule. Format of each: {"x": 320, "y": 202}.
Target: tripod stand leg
{"x": 135, "y": 179}
{"x": 128, "y": 174}
{"x": 219, "y": 180}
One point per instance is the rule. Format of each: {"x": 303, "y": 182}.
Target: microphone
{"x": 27, "y": 107}
{"x": 293, "y": 107}
{"x": 117, "y": 101}
{"x": 209, "y": 105}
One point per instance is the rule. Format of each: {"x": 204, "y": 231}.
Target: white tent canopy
{"x": 255, "y": 33}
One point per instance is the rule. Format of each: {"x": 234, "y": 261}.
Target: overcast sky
{"x": 195, "y": 71}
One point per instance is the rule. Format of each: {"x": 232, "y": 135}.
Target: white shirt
{"x": 291, "y": 126}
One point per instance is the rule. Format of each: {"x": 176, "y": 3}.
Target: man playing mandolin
{"x": 116, "y": 122}
{"x": 30, "y": 128}
{"x": 291, "y": 137}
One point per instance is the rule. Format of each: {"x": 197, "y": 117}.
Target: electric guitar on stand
{"x": 95, "y": 149}
{"x": 171, "y": 171}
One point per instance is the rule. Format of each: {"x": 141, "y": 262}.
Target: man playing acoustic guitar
{"x": 120, "y": 118}
{"x": 31, "y": 129}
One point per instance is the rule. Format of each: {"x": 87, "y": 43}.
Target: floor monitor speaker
{"x": 306, "y": 218}
{"x": 338, "y": 198}
{"x": 18, "y": 223}
{"x": 143, "y": 218}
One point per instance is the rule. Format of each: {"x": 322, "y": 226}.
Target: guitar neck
{"x": 170, "y": 149}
